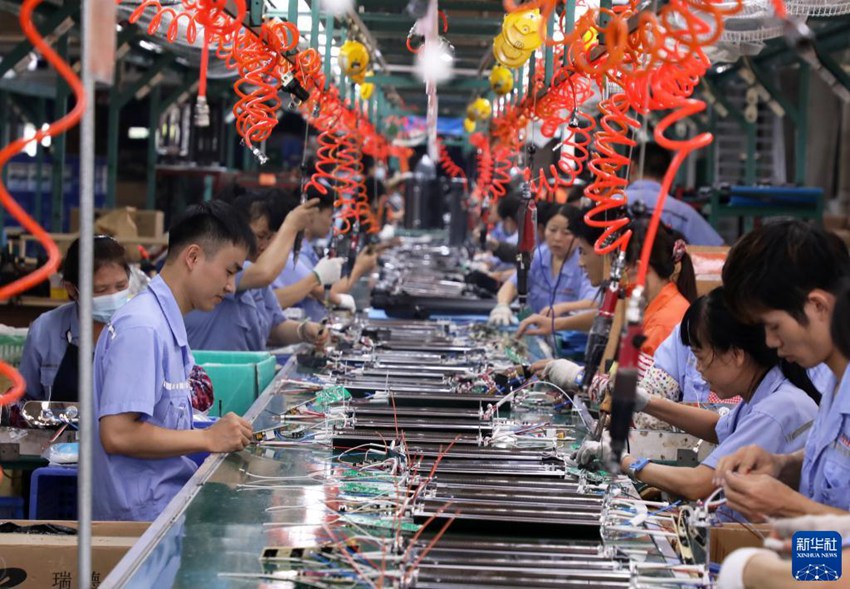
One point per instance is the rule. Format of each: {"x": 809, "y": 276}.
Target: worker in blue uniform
{"x": 554, "y": 275}
{"x": 143, "y": 426}
{"x": 249, "y": 318}
{"x": 296, "y": 285}
{"x": 788, "y": 276}
{"x": 734, "y": 359}
{"x": 50, "y": 356}
{"x": 645, "y": 187}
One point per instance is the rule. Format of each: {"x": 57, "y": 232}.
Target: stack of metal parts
{"x": 424, "y": 279}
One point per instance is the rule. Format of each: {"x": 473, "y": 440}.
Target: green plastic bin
{"x": 12, "y": 346}
{"x": 238, "y": 378}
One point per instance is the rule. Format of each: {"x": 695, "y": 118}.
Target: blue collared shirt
{"x": 572, "y": 284}
{"x": 678, "y": 215}
{"x": 45, "y": 346}
{"x": 778, "y": 418}
{"x": 825, "y": 477}
{"x": 295, "y": 272}
{"x": 677, "y": 360}
{"x": 141, "y": 365}
{"x": 241, "y": 322}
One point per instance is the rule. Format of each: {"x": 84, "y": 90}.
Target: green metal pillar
{"x": 801, "y": 135}
{"x": 549, "y": 51}
{"x": 329, "y": 37}
{"x": 153, "y": 127}
{"x": 41, "y": 107}
{"x": 5, "y": 121}
{"x": 314, "y": 25}
{"x": 59, "y": 144}
{"x": 292, "y": 15}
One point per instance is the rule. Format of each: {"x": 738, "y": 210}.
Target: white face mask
{"x": 380, "y": 174}
{"x": 104, "y": 307}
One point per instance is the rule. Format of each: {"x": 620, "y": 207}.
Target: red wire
{"x": 28, "y": 223}
{"x": 449, "y": 166}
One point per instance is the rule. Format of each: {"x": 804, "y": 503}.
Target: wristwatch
{"x": 636, "y": 466}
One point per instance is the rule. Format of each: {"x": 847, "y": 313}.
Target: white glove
{"x": 502, "y": 315}
{"x": 387, "y": 232}
{"x": 346, "y": 301}
{"x": 563, "y": 373}
{"x": 328, "y": 270}
{"x": 732, "y": 572}
{"x": 830, "y": 523}
{"x": 590, "y": 450}
{"x": 641, "y": 399}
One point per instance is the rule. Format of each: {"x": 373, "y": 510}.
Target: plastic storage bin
{"x": 12, "y": 345}
{"x": 238, "y": 378}
{"x": 11, "y": 508}
{"x": 53, "y": 493}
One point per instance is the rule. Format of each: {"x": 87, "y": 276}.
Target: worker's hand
{"x": 301, "y": 216}
{"x": 756, "y": 496}
{"x": 535, "y": 325}
{"x": 387, "y": 232}
{"x": 539, "y": 367}
{"x": 749, "y": 459}
{"x": 366, "y": 260}
{"x": 562, "y": 373}
{"x": 732, "y": 572}
{"x": 346, "y": 301}
{"x": 231, "y": 433}
{"x": 591, "y": 450}
{"x": 315, "y": 333}
{"x": 328, "y": 270}
{"x": 642, "y": 399}
{"x": 549, "y": 312}
{"x": 502, "y": 315}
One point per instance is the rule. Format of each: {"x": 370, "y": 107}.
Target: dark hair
{"x": 508, "y": 207}
{"x": 326, "y": 201}
{"x": 841, "y": 319}
{"x": 662, "y": 257}
{"x": 709, "y": 323}
{"x": 106, "y": 251}
{"x": 210, "y": 225}
{"x": 581, "y": 229}
{"x": 656, "y": 160}
{"x": 777, "y": 265}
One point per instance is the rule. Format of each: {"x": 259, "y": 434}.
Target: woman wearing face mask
{"x": 50, "y": 356}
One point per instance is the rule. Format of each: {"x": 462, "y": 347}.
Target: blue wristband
{"x": 637, "y": 466}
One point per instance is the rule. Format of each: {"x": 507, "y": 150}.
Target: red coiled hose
{"x": 449, "y": 166}
{"x": 61, "y": 126}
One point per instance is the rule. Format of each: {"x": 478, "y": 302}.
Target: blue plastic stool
{"x": 11, "y": 508}
{"x": 53, "y": 493}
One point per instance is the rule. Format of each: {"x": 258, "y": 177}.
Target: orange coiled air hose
{"x": 501, "y": 172}
{"x": 174, "y": 25}
{"x": 28, "y": 223}
{"x": 449, "y": 166}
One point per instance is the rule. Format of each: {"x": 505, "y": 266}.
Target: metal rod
{"x": 153, "y": 128}
{"x": 86, "y": 278}
{"x": 314, "y": 25}
{"x": 59, "y": 143}
{"x": 39, "y": 162}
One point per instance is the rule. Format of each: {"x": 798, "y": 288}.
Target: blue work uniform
{"x": 544, "y": 290}
{"x": 294, "y": 272}
{"x": 241, "y": 322}
{"x": 499, "y": 234}
{"x": 677, "y": 360}
{"x": 778, "y": 418}
{"x": 677, "y": 214}
{"x": 825, "y": 476}
{"x": 45, "y": 347}
{"x": 142, "y": 364}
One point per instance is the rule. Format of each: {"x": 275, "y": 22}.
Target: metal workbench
{"x": 211, "y": 535}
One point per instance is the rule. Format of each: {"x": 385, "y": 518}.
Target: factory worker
{"x": 788, "y": 276}
{"x": 573, "y": 315}
{"x": 301, "y": 283}
{"x": 734, "y": 360}
{"x": 554, "y": 275}
{"x": 507, "y": 229}
{"x": 645, "y": 187}
{"x": 670, "y": 287}
{"x": 49, "y": 363}
{"x": 143, "y": 426}
{"x": 249, "y": 318}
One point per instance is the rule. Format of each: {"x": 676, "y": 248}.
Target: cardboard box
{"x": 29, "y": 561}
{"x": 726, "y": 538}
{"x": 147, "y": 223}
{"x": 708, "y": 263}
